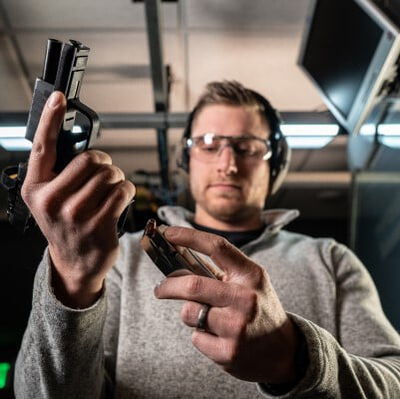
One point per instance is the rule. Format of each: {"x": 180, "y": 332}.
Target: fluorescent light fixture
{"x": 390, "y": 129}
{"x": 303, "y": 136}
{"x": 387, "y": 129}
{"x": 389, "y": 133}
{"x": 12, "y": 131}
{"x": 367, "y": 129}
{"x": 16, "y": 144}
{"x": 19, "y": 131}
{"x": 308, "y": 142}
{"x": 327, "y": 130}
{"x": 393, "y": 142}
{"x": 12, "y": 138}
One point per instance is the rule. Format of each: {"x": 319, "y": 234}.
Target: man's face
{"x": 230, "y": 189}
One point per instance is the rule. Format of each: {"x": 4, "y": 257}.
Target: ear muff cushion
{"x": 183, "y": 159}
{"x": 282, "y": 167}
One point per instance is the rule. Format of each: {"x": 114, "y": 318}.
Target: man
{"x": 292, "y": 315}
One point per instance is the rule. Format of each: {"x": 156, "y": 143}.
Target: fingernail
{"x": 159, "y": 283}
{"x": 170, "y": 232}
{"x": 157, "y": 287}
{"x": 54, "y": 100}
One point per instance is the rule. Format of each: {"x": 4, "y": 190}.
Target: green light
{"x": 4, "y": 367}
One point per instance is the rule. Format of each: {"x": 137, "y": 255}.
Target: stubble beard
{"x": 232, "y": 210}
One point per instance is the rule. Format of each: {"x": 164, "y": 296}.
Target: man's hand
{"x": 77, "y": 210}
{"x": 248, "y": 332}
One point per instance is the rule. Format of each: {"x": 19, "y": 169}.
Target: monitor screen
{"x": 342, "y": 41}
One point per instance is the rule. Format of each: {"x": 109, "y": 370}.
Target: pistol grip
{"x": 66, "y": 143}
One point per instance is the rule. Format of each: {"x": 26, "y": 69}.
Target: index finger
{"x": 199, "y": 289}
{"x": 44, "y": 149}
{"x": 220, "y": 250}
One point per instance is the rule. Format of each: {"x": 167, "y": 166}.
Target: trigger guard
{"x": 94, "y": 123}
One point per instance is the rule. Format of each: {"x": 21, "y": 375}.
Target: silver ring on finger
{"x": 202, "y": 317}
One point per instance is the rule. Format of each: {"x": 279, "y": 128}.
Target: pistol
{"x": 63, "y": 70}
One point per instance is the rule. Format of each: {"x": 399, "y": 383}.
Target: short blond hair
{"x": 229, "y": 92}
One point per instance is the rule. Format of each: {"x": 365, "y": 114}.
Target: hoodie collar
{"x": 275, "y": 219}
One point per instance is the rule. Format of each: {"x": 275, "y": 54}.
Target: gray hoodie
{"x": 137, "y": 344}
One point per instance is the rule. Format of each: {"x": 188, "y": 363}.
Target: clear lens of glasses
{"x": 208, "y": 147}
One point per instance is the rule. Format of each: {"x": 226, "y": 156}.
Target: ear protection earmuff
{"x": 281, "y": 153}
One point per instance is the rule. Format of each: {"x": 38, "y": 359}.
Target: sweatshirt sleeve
{"x": 363, "y": 361}
{"x": 61, "y": 354}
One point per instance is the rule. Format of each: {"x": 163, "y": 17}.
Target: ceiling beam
{"x": 157, "y": 120}
{"x": 159, "y": 78}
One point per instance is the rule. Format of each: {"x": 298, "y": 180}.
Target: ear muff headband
{"x": 281, "y": 153}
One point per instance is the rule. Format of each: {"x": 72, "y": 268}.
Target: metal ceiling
{"x": 203, "y": 40}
